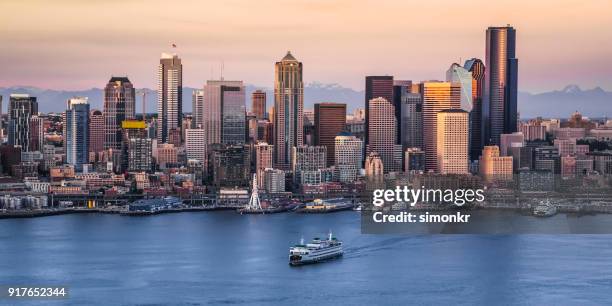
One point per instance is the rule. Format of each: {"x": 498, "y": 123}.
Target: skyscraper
{"x": 96, "y": 131}
{"x": 76, "y": 124}
{"x": 197, "y": 100}
{"x": 169, "y": 96}
{"x": 437, "y": 96}
{"x": 329, "y": 121}
{"x": 477, "y": 68}
{"x": 382, "y": 131}
{"x": 119, "y": 105}
{"x": 263, "y": 161}
{"x": 412, "y": 121}
{"x": 500, "y": 92}
{"x": 224, "y": 118}
{"x": 195, "y": 144}
{"x": 376, "y": 87}
{"x": 288, "y": 109}
{"x": 258, "y": 98}
{"x": 401, "y": 89}
{"x": 307, "y": 161}
{"x": 458, "y": 74}
{"x": 21, "y": 107}
{"x": 37, "y": 135}
{"x": 137, "y": 148}
{"x": 452, "y": 141}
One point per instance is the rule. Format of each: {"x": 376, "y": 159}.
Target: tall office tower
{"x": 452, "y": 141}
{"x": 169, "y": 96}
{"x": 96, "y": 131}
{"x": 401, "y": 88}
{"x": 458, "y": 74}
{"x": 76, "y": 124}
{"x": 382, "y": 131}
{"x": 195, "y": 144}
{"x": 412, "y": 121}
{"x": 263, "y": 160}
{"x": 414, "y": 160}
{"x": 309, "y": 127}
{"x": 437, "y": 96}
{"x": 21, "y": 107}
{"x": 197, "y": 100}
{"x": 492, "y": 165}
{"x": 376, "y": 87}
{"x": 348, "y": 157}
{"x": 258, "y": 98}
{"x": 137, "y": 147}
{"x": 329, "y": 121}
{"x": 307, "y": 159}
{"x": 477, "y": 68}
{"x": 288, "y": 109}
{"x": 500, "y": 92}
{"x": 119, "y": 105}
{"x": 224, "y": 118}
{"x": 37, "y": 134}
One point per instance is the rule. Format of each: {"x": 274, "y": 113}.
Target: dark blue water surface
{"x": 226, "y": 258}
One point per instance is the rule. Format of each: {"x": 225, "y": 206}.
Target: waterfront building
{"x": 274, "y": 180}
{"x": 307, "y": 158}
{"x": 414, "y": 160}
{"x": 20, "y": 109}
{"x": 348, "y": 157}
{"x": 224, "y": 116}
{"x": 264, "y": 153}
{"x": 137, "y": 147}
{"x": 500, "y": 92}
{"x": 477, "y": 68}
{"x": 437, "y": 96}
{"x": 195, "y": 144}
{"x": 258, "y": 107}
{"x": 329, "y": 121}
{"x": 376, "y": 87}
{"x": 452, "y": 141}
{"x": 119, "y": 105}
{"x": 382, "y": 134}
{"x": 76, "y": 124}
{"x": 169, "y": 96}
{"x": 197, "y": 100}
{"x": 288, "y": 109}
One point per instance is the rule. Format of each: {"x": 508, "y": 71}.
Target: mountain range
{"x": 558, "y": 103}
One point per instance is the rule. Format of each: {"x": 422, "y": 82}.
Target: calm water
{"x": 225, "y": 258}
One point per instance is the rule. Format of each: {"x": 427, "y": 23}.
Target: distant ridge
{"x": 594, "y": 102}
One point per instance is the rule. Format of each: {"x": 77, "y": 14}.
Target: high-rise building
{"x": 37, "y": 135}
{"x": 224, "y": 118}
{"x": 274, "y": 180}
{"x": 458, "y": 74}
{"x": 307, "y": 159}
{"x": 169, "y": 96}
{"x": 437, "y": 96}
{"x": 76, "y": 124}
{"x": 119, "y": 105}
{"x": 477, "y": 68}
{"x": 348, "y": 153}
{"x": 21, "y": 107}
{"x": 414, "y": 160}
{"x": 258, "y": 98}
{"x": 382, "y": 134}
{"x": 452, "y": 141}
{"x": 492, "y": 165}
{"x": 500, "y": 92}
{"x": 376, "y": 87}
{"x": 263, "y": 160}
{"x": 137, "y": 148}
{"x": 508, "y": 141}
{"x": 401, "y": 89}
{"x": 533, "y": 131}
{"x": 374, "y": 168}
{"x": 167, "y": 155}
{"x": 96, "y": 131}
{"x": 288, "y": 109}
{"x": 195, "y": 144}
{"x": 229, "y": 165}
{"x": 412, "y": 121}
{"x": 329, "y": 121}
{"x": 197, "y": 100}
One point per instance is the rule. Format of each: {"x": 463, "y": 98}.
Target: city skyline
{"x": 245, "y": 52}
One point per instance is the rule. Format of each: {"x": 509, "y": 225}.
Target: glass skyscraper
{"x": 76, "y": 140}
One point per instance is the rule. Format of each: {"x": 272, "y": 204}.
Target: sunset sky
{"x": 75, "y": 44}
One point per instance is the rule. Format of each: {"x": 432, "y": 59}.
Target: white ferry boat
{"x": 315, "y": 251}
